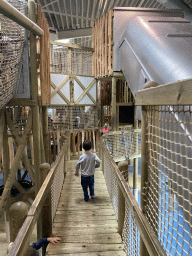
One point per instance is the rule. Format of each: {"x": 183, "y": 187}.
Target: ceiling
{"x": 74, "y": 18}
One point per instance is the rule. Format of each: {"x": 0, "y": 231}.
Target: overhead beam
{"x": 65, "y": 14}
{"x": 75, "y": 46}
{"x": 74, "y": 33}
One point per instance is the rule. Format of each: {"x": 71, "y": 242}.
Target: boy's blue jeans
{"x": 85, "y": 183}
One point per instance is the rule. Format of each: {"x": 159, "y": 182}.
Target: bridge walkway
{"x": 86, "y": 228}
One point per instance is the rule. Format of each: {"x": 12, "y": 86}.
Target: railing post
{"x": 46, "y": 214}
{"x": 101, "y": 155}
{"x": 144, "y": 169}
{"x": 17, "y": 214}
{"x": 69, "y": 147}
{"x": 135, "y": 160}
{"x": 121, "y": 210}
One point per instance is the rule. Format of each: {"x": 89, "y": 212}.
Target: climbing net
{"x": 12, "y": 38}
{"x": 168, "y": 192}
{"x": 123, "y": 145}
{"x": 63, "y": 59}
{"x": 74, "y": 118}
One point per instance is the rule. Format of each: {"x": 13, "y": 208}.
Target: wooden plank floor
{"x": 86, "y": 228}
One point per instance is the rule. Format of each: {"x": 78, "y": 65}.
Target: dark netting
{"x": 12, "y": 38}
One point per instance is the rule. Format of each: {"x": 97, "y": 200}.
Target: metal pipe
{"x": 12, "y": 13}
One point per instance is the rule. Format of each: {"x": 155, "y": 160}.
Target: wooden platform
{"x": 86, "y": 228}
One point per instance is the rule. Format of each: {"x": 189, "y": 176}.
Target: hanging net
{"x": 12, "y": 38}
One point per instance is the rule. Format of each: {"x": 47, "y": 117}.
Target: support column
{"x": 144, "y": 169}
{"x": 5, "y": 162}
{"x": 71, "y": 84}
{"x": 46, "y": 210}
{"x": 135, "y": 160}
{"x": 113, "y": 105}
{"x": 121, "y": 210}
{"x": 35, "y": 109}
{"x": 46, "y": 132}
{"x": 96, "y": 108}
{"x": 18, "y": 213}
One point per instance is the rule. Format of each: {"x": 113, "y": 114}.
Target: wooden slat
{"x": 85, "y": 228}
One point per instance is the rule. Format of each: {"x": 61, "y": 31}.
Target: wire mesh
{"x": 111, "y": 182}
{"x": 77, "y": 117}
{"x": 168, "y": 193}
{"x": 12, "y": 37}
{"x": 57, "y": 184}
{"x": 123, "y": 145}
{"x": 80, "y": 61}
{"x": 130, "y": 235}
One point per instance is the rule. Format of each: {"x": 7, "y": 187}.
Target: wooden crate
{"x": 103, "y": 45}
{"x": 43, "y": 48}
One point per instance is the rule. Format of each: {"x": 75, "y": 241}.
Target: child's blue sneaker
{"x": 92, "y": 197}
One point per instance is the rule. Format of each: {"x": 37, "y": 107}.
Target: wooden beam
{"x": 59, "y": 86}
{"x": 17, "y": 141}
{"x": 84, "y": 89}
{"x": 177, "y": 93}
{"x": 74, "y": 46}
{"x": 2, "y": 122}
{"x": 85, "y": 92}
{"x": 19, "y": 154}
{"x": 21, "y": 102}
{"x": 60, "y": 93}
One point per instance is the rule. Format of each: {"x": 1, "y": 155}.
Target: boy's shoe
{"x": 92, "y": 197}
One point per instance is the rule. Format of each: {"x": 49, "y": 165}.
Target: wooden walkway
{"x": 86, "y": 228}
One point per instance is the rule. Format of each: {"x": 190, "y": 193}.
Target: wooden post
{"x": 35, "y": 109}
{"x": 71, "y": 84}
{"x": 96, "y": 108}
{"x": 117, "y": 118}
{"x": 135, "y": 160}
{"x": 45, "y": 132}
{"x": 18, "y": 212}
{"x": 69, "y": 147}
{"x": 121, "y": 210}
{"x": 113, "y": 105}
{"x": 144, "y": 170}
{"x": 5, "y": 171}
{"x": 34, "y": 93}
{"x": 46, "y": 217}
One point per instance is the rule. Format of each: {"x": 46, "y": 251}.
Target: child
{"x": 87, "y": 164}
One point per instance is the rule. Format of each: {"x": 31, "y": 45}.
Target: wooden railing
{"x": 127, "y": 211}
{"x": 23, "y": 236}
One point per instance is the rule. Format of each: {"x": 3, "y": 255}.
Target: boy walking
{"x": 88, "y": 162}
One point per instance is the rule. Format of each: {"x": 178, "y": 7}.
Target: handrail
{"x": 148, "y": 235}
{"x": 30, "y": 221}
{"x": 12, "y": 13}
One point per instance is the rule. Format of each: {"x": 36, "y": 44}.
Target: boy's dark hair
{"x": 87, "y": 145}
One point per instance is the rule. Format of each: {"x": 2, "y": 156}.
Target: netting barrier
{"x": 74, "y": 118}
{"x": 123, "y": 145}
{"x": 58, "y": 181}
{"x": 130, "y": 234}
{"x": 76, "y": 61}
{"x": 12, "y": 37}
{"x": 168, "y": 192}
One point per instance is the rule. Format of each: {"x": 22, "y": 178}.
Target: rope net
{"x": 57, "y": 184}
{"x": 80, "y": 61}
{"x": 65, "y": 118}
{"x": 130, "y": 235}
{"x": 123, "y": 145}
{"x": 12, "y": 38}
{"x": 168, "y": 192}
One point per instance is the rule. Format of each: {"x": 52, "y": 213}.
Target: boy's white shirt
{"x": 88, "y": 162}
